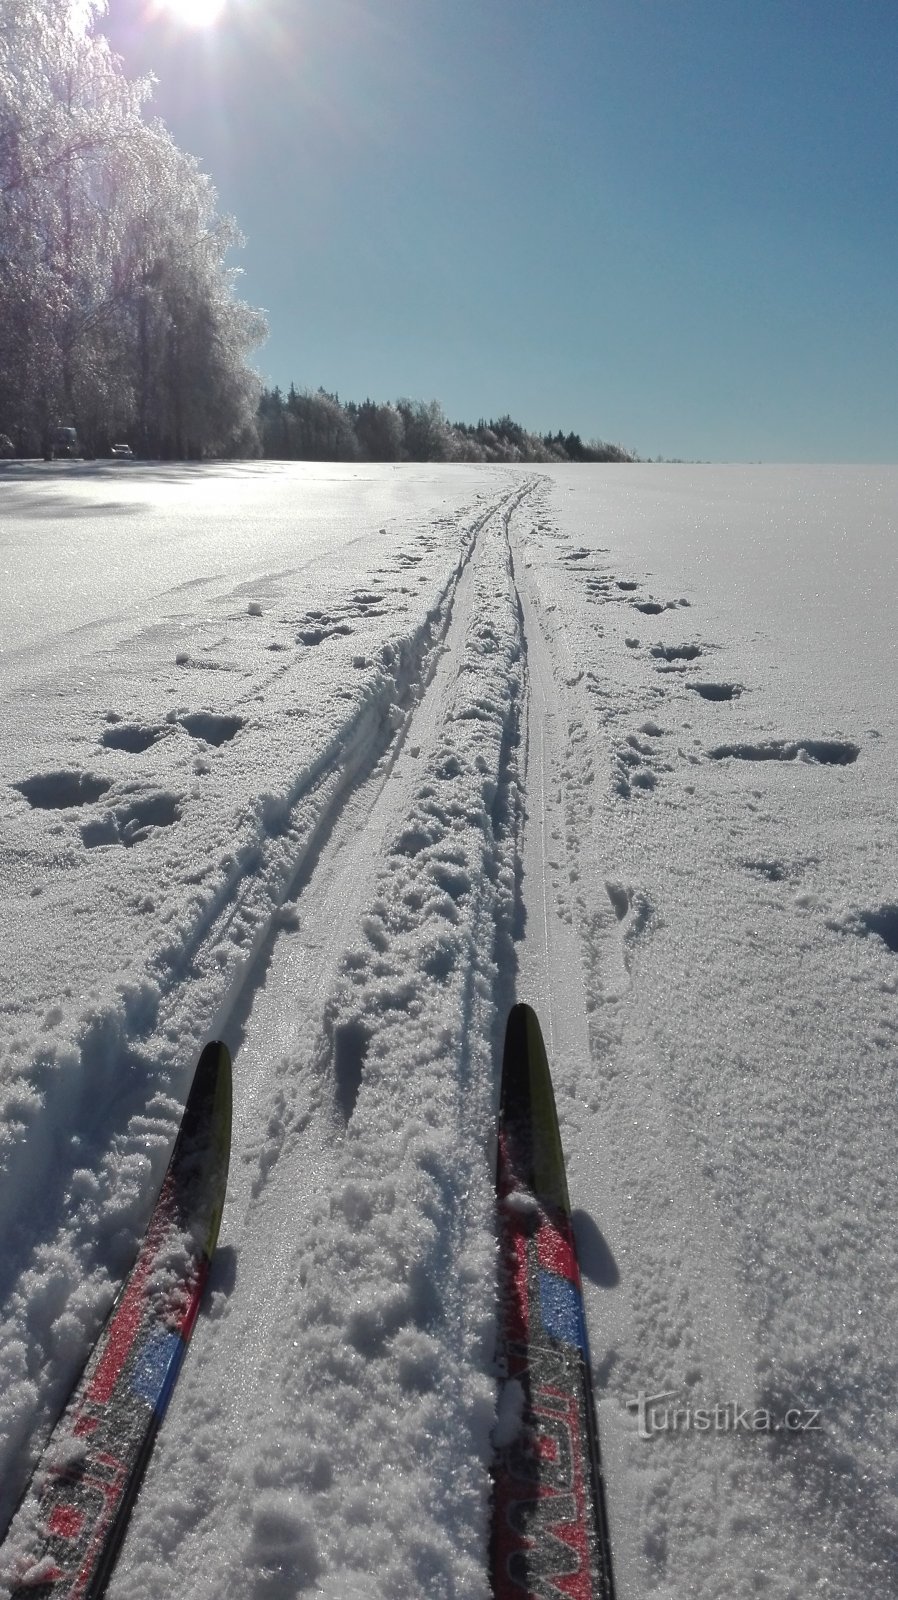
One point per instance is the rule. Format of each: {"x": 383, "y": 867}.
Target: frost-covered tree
{"x": 379, "y": 430}
{"x": 319, "y": 428}
{"x": 428, "y": 435}
{"x": 118, "y": 311}
{"x": 315, "y": 426}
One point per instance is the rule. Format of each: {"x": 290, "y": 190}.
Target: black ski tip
{"x": 211, "y": 1084}
{"x": 527, "y": 1110}
{"x": 520, "y": 1017}
{"x": 523, "y": 1045}
{"x": 215, "y": 1058}
{"x": 198, "y": 1169}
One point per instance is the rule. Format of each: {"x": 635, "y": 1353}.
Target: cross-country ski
{"x": 65, "y": 1537}
{"x": 550, "y": 1523}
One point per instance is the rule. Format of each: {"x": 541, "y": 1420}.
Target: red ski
{"x": 65, "y": 1536}
{"x": 550, "y": 1528}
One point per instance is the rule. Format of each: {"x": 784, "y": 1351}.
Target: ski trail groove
{"x": 364, "y": 1249}
{"x": 188, "y": 991}
{"x": 671, "y": 1256}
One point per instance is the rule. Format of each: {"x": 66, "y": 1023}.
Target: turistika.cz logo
{"x": 654, "y": 1415}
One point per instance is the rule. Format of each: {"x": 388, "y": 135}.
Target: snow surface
{"x": 335, "y": 763}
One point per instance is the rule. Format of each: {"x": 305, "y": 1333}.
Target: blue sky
{"x": 671, "y": 223}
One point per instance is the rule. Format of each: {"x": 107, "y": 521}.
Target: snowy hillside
{"x": 335, "y": 763}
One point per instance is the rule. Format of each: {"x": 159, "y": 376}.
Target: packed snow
{"x": 335, "y": 763}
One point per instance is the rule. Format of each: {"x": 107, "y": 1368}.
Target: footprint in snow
{"x": 637, "y": 764}
{"x": 676, "y": 652}
{"x": 60, "y": 791}
{"x": 635, "y": 912}
{"x": 716, "y": 691}
{"x": 879, "y": 921}
{"x": 773, "y": 871}
{"x": 317, "y": 635}
{"x": 823, "y": 752}
{"x": 134, "y": 737}
{"x": 777, "y": 870}
{"x": 601, "y": 589}
{"x": 127, "y": 824}
{"x": 211, "y": 726}
{"x": 367, "y": 604}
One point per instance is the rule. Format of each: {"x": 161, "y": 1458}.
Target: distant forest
{"x": 305, "y": 426}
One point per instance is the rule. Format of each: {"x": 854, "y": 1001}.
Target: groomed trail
{"x": 457, "y": 867}
{"x": 360, "y": 1241}
{"x": 343, "y": 784}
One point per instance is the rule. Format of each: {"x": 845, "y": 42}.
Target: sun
{"x": 193, "y": 13}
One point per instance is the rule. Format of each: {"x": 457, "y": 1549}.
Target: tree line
{"x": 118, "y": 311}
{"x": 306, "y": 426}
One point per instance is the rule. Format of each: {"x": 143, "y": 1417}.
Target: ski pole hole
{"x": 351, "y": 1042}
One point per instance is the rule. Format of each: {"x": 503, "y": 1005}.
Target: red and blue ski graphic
{"x": 65, "y": 1536}
{"x": 550, "y": 1529}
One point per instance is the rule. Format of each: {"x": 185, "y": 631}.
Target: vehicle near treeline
{"x": 61, "y": 443}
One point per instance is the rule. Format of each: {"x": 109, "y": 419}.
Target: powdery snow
{"x": 336, "y": 763}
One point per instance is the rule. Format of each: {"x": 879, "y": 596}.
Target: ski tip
{"x": 522, "y": 1026}
{"x": 215, "y": 1055}
{"x": 211, "y": 1092}
{"x": 217, "y": 1059}
{"x": 203, "y": 1145}
{"x": 525, "y": 1051}
{"x": 527, "y": 1109}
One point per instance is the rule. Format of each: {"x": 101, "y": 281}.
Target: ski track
{"x": 473, "y": 830}
{"x": 131, "y": 1057}
{"x": 350, "y": 1224}
{"x": 579, "y": 955}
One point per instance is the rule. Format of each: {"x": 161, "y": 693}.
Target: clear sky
{"x": 669, "y": 223}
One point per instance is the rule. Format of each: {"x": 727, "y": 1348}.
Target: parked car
{"x": 61, "y": 442}
{"x": 122, "y": 452}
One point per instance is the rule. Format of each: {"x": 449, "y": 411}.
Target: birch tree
{"x": 118, "y": 311}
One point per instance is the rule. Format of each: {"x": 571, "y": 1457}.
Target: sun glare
{"x": 194, "y": 13}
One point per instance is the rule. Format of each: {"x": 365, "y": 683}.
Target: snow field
{"x": 742, "y": 1053}
{"x": 627, "y": 752}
